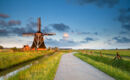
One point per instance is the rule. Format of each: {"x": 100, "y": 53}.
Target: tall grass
{"x": 8, "y": 59}
{"x": 44, "y": 70}
{"x": 104, "y": 65}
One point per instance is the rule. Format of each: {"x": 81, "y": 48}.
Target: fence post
{"x": 117, "y": 56}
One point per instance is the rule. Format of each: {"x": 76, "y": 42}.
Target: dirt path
{"x": 72, "y": 68}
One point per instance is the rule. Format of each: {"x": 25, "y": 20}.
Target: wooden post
{"x": 117, "y": 56}
{"x": 91, "y": 52}
{"x": 100, "y": 53}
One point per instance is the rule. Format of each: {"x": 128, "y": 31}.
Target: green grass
{"x": 44, "y": 70}
{"x": 8, "y": 59}
{"x": 122, "y": 64}
{"x": 125, "y": 53}
{"x": 112, "y": 68}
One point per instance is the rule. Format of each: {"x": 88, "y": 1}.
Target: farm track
{"x": 72, "y": 68}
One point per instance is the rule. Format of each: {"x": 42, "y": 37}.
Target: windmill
{"x": 38, "y": 42}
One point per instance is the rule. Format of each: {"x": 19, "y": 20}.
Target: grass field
{"x": 8, "y": 59}
{"x": 119, "y": 69}
{"x": 125, "y": 53}
{"x": 46, "y": 67}
{"x": 44, "y": 70}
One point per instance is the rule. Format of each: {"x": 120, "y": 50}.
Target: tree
{"x": 49, "y": 48}
{"x": 1, "y": 47}
{"x": 56, "y": 48}
{"x": 14, "y": 49}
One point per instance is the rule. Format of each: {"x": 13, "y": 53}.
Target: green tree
{"x": 56, "y": 48}
{"x": 1, "y": 47}
{"x": 14, "y": 49}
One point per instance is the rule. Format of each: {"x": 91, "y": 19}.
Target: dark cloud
{"x": 87, "y": 33}
{"x": 10, "y": 23}
{"x": 14, "y": 22}
{"x": 126, "y": 26}
{"x": 3, "y": 23}
{"x": 124, "y": 32}
{"x": 60, "y": 27}
{"x": 31, "y": 27}
{"x": 18, "y": 31}
{"x": 124, "y": 18}
{"x": 3, "y": 15}
{"x": 32, "y": 24}
{"x": 12, "y": 31}
{"x": 96, "y": 33}
{"x": 84, "y": 33}
{"x": 87, "y": 39}
{"x": 99, "y": 3}
{"x": 122, "y": 39}
{"x": 5, "y": 30}
{"x": 61, "y": 43}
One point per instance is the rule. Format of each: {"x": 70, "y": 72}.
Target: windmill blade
{"x": 39, "y": 24}
{"x": 48, "y": 34}
{"x": 28, "y": 34}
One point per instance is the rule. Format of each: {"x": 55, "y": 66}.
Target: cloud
{"x": 60, "y": 43}
{"x": 46, "y": 29}
{"x": 14, "y": 22}
{"x": 10, "y": 23}
{"x": 60, "y": 27}
{"x": 32, "y": 24}
{"x": 31, "y": 27}
{"x": 124, "y": 18}
{"x": 6, "y": 30}
{"x": 124, "y": 32}
{"x": 87, "y": 39}
{"x": 12, "y": 31}
{"x": 18, "y": 31}
{"x": 98, "y": 3}
{"x": 86, "y": 33}
{"x": 3, "y": 15}
{"x": 3, "y": 32}
{"x": 122, "y": 39}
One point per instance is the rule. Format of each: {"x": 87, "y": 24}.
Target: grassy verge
{"x": 44, "y": 70}
{"x": 105, "y": 66}
{"x": 10, "y": 59}
{"x": 121, "y": 64}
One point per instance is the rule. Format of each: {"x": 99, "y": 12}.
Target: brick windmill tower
{"x": 38, "y": 42}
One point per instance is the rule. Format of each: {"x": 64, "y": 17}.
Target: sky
{"x": 78, "y": 24}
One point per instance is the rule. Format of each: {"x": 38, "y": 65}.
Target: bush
{"x": 1, "y": 47}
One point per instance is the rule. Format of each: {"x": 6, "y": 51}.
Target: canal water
{"x": 5, "y": 74}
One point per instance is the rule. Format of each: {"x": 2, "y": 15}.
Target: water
{"x": 14, "y": 70}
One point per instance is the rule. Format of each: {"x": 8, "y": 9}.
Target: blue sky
{"x": 94, "y": 24}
